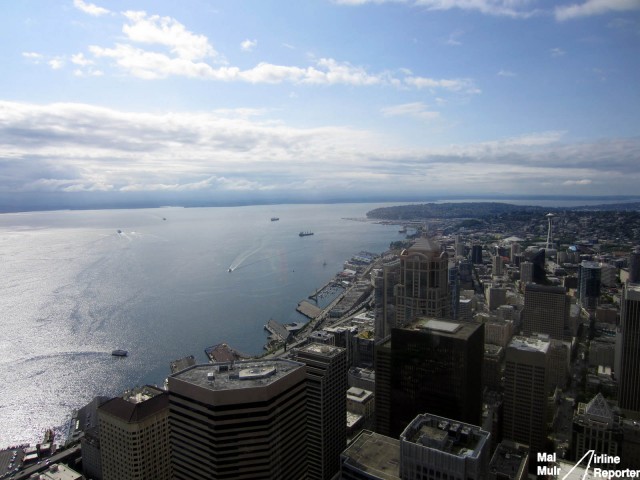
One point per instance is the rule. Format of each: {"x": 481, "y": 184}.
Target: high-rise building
{"x": 326, "y": 407}
{"x": 628, "y": 350}
{"x": 431, "y": 366}
{"x": 434, "y": 447}
{"x": 134, "y": 436}
{"x": 538, "y": 260}
{"x": 546, "y": 310}
{"x": 239, "y": 420}
{"x": 510, "y": 461}
{"x": 423, "y": 289}
{"x": 497, "y": 265}
{"x": 371, "y": 456}
{"x": 476, "y": 254}
{"x": 526, "y": 272}
{"x": 589, "y": 284}
{"x": 516, "y": 249}
{"x": 385, "y": 283}
{"x": 525, "y": 392}
{"x": 634, "y": 266}
{"x": 454, "y": 290}
{"x": 596, "y": 427}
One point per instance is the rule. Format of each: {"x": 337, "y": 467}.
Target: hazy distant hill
{"x": 451, "y": 210}
{"x": 480, "y": 210}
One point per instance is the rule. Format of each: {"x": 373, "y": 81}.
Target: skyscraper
{"x": 628, "y": 350}
{"x": 634, "y": 266}
{"x": 431, "y": 366}
{"x": 134, "y": 436}
{"x": 326, "y": 407}
{"x": 546, "y": 310}
{"x": 434, "y": 447}
{"x": 476, "y": 254}
{"x": 385, "y": 282}
{"x": 423, "y": 288}
{"x": 525, "y": 392}
{"x": 589, "y": 284}
{"x": 242, "y": 420}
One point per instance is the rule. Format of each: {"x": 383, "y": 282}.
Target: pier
{"x": 277, "y": 329}
{"x": 308, "y": 310}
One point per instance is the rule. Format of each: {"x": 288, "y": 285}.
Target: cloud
{"x": 594, "y": 7}
{"x": 56, "y": 63}
{"x": 557, "y": 52}
{"x": 248, "y": 45}
{"x": 454, "y": 38}
{"x": 80, "y": 59}
{"x": 417, "y": 110}
{"x": 503, "y": 8}
{"x": 156, "y": 30}
{"x": 584, "y": 181}
{"x": 506, "y": 73}
{"x": 90, "y": 8}
{"x": 70, "y": 148}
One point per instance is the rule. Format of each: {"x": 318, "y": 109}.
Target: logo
{"x": 603, "y": 466}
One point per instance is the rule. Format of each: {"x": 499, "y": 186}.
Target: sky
{"x": 117, "y": 103}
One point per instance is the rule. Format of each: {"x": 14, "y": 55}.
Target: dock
{"x": 308, "y": 310}
{"x": 277, "y": 329}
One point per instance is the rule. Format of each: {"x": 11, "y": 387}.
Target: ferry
{"x": 119, "y": 353}
{"x": 305, "y": 234}
{"x": 274, "y": 219}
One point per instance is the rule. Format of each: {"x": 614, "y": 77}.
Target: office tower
{"x": 516, "y": 249}
{"x": 432, "y": 366}
{"x": 434, "y": 447}
{"x": 476, "y": 254}
{"x": 465, "y": 310}
{"x": 510, "y": 461}
{"x": 589, "y": 284}
{"x": 526, "y": 272}
{"x": 423, "y": 288}
{"x": 385, "y": 283}
{"x": 497, "y": 267}
{"x": 134, "y": 436}
{"x": 492, "y": 370}
{"x": 539, "y": 274}
{"x": 634, "y": 266}
{"x": 525, "y": 392}
{"x": 454, "y": 290}
{"x": 628, "y": 350}
{"x": 326, "y": 407}
{"x": 496, "y": 297}
{"x": 242, "y": 420}
{"x": 596, "y": 427}
{"x": 546, "y": 310}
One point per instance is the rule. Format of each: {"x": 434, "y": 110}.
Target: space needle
{"x": 549, "y": 232}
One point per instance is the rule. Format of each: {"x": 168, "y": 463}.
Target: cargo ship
{"x": 305, "y": 234}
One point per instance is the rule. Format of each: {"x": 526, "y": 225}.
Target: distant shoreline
{"x": 536, "y": 200}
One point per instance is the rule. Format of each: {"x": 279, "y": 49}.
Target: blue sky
{"x": 112, "y": 102}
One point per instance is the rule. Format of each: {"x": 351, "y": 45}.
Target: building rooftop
{"x": 633, "y": 291}
{"x": 530, "y": 344}
{"x": 509, "y": 459}
{"x": 238, "y": 375}
{"x": 374, "y": 454}
{"x": 442, "y": 327}
{"x": 358, "y": 394}
{"x": 446, "y": 435}
{"x": 424, "y": 245}
{"x": 137, "y": 404}
{"x": 321, "y": 349}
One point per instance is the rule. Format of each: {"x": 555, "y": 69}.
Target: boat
{"x": 119, "y": 231}
{"x": 274, "y": 219}
{"x": 119, "y": 353}
{"x": 230, "y": 270}
{"x": 305, "y": 234}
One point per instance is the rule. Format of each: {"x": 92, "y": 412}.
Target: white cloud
{"x": 462, "y": 85}
{"x": 506, "y": 73}
{"x": 169, "y": 32}
{"x": 506, "y": 8}
{"x": 74, "y": 147}
{"x": 454, "y": 38}
{"x": 35, "y": 57}
{"x": 584, "y": 181}
{"x": 56, "y": 63}
{"x": 594, "y": 7}
{"x": 80, "y": 59}
{"x": 90, "y": 8}
{"x": 416, "y": 109}
{"x": 557, "y": 52}
{"x": 248, "y": 45}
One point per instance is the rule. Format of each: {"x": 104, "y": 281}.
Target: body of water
{"x": 75, "y": 285}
